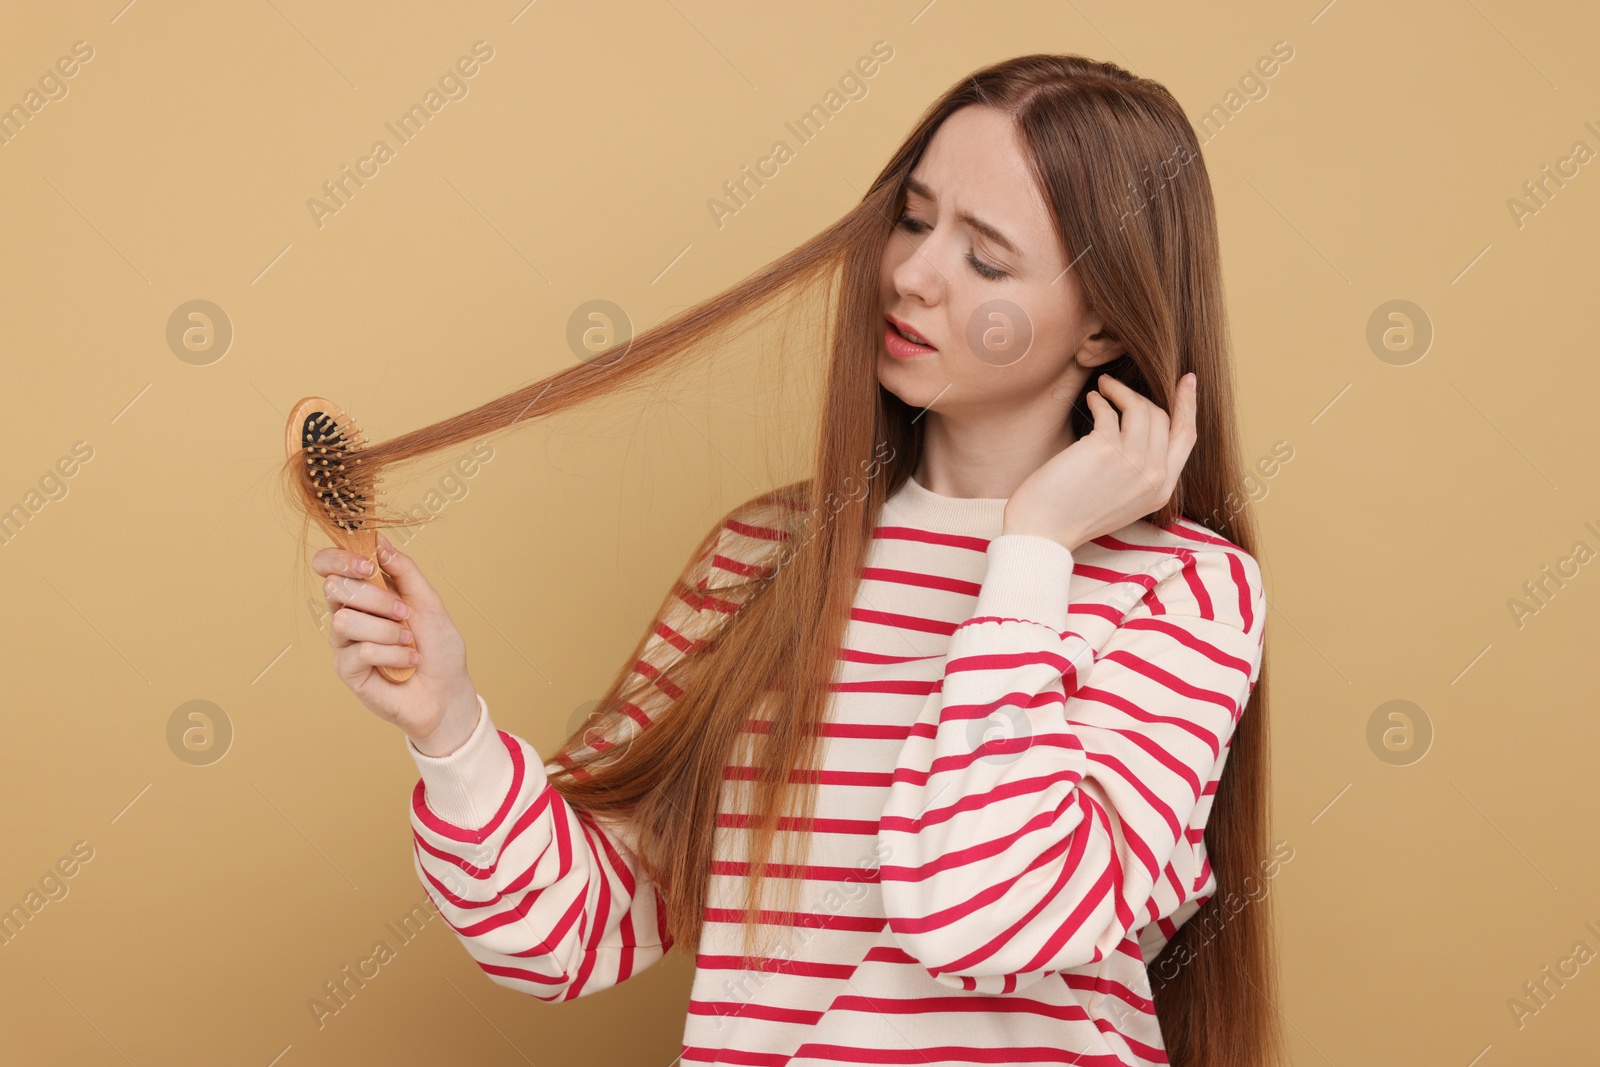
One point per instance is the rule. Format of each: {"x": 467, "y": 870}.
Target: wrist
{"x": 459, "y": 721}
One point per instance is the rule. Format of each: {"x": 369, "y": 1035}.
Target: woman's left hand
{"x": 1122, "y": 470}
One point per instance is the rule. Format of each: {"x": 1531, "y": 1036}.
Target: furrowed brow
{"x": 915, "y": 186}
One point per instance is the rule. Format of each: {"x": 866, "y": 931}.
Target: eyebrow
{"x": 914, "y": 186}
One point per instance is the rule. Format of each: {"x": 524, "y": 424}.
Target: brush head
{"x": 330, "y": 442}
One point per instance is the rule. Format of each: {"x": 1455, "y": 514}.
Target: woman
{"x": 981, "y": 674}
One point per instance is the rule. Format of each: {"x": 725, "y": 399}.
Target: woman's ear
{"x": 1100, "y": 348}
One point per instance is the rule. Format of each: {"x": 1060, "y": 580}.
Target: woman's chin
{"x": 915, "y": 388}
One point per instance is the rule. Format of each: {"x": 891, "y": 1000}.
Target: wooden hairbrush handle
{"x": 365, "y": 543}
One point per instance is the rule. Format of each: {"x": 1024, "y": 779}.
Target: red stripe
{"x": 860, "y": 827}
{"x": 439, "y": 826}
{"x": 930, "y": 537}
{"x": 1236, "y": 568}
{"x": 855, "y": 655}
{"x": 921, "y": 580}
{"x": 763, "y": 533}
{"x": 970, "y": 802}
{"x": 770, "y": 965}
{"x": 902, "y": 622}
{"x": 807, "y": 872}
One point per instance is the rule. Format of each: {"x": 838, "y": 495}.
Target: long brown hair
{"x": 1120, "y": 170}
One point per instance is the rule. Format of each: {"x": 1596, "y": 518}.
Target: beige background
{"x": 1376, "y": 165}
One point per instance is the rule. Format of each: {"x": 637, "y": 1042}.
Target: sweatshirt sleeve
{"x": 1052, "y": 777}
{"x": 549, "y": 901}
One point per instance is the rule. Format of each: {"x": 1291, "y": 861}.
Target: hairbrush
{"x": 331, "y": 442}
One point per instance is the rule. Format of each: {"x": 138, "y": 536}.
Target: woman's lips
{"x": 899, "y": 347}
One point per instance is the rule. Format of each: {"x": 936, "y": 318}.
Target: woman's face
{"x": 974, "y": 267}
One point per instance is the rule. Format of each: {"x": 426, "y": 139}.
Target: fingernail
{"x": 405, "y": 637}
{"x": 363, "y": 566}
{"x": 415, "y": 656}
{"x": 401, "y": 611}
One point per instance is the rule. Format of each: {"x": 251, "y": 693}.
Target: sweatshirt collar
{"x": 913, "y": 504}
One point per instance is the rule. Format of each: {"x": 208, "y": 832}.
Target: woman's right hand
{"x": 438, "y": 705}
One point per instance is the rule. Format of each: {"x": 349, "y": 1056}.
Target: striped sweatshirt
{"x": 1020, "y": 754}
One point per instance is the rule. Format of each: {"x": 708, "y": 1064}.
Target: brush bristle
{"x": 331, "y": 445}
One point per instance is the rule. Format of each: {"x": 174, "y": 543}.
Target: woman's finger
{"x": 1105, "y": 416}
{"x": 354, "y": 662}
{"x": 349, "y": 625}
{"x": 1182, "y": 438}
{"x": 366, "y": 596}
{"x": 331, "y": 560}
{"x": 1134, "y": 415}
{"x": 376, "y": 654}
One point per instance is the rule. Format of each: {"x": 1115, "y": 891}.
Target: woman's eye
{"x": 983, "y": 269}
{"x": 992, "y": 273}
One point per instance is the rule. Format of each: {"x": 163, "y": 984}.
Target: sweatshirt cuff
{"x": 467, "y": 787}
{"x": 1028, "y": 577}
